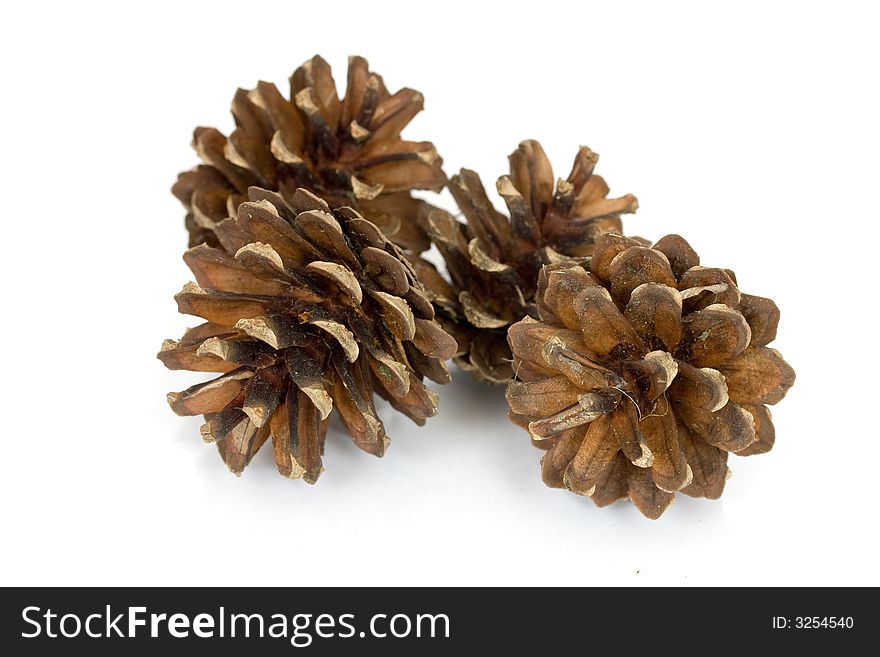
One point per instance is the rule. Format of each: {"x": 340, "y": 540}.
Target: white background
{"x": 752, "y": 130}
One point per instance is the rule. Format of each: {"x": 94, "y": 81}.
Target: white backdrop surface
{"x": 750, "y": 130}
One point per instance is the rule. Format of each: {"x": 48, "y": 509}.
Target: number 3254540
{"x": 814, "y": 622}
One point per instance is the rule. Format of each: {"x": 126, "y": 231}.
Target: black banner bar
{"x": 433, "y": 621}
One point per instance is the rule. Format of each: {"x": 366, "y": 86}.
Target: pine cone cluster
{"x": 643, "y": 372}
{"x": 315, "y": 310}
{"x": 635, "y": 368}
{"x": 348, "y": 151}
{"x": 494, "y": 261}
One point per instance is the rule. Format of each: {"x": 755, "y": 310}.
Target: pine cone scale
{"x": 758, "y": 375}
{"x": 592, "y": 459}
{"x": 708, "y": 465}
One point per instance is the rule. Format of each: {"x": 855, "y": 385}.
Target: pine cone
{"x": 643, "y": 373}
{"x": 316, "y": 310}
{"x": 494, "y": 261}
{"x": 347, "y": 151}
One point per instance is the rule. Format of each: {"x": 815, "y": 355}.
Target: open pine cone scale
{"x": 643, "y": 371}
{"x": 316, "y": 310}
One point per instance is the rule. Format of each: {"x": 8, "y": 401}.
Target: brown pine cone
{"x": 316, "y": 310}
{"x": 643, "y": 372}
{"x": 347, "y": 151}
{"x": 494, "y": 261}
